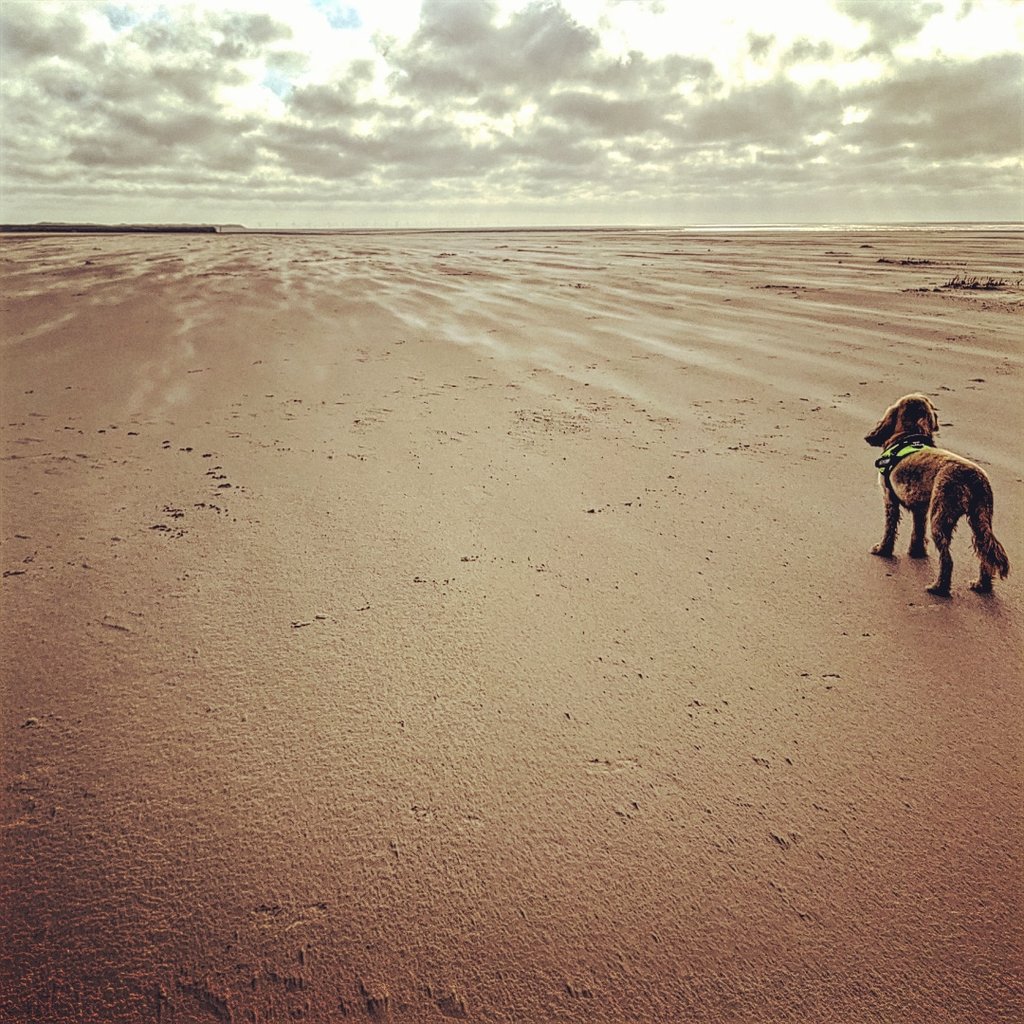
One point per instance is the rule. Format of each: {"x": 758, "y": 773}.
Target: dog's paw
{"x": 982, "y": 586}
{"x": 882, "y": 551}
{"x": 920, "y": 552}
{"x": 936, "y": 590}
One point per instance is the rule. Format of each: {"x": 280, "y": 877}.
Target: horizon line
{"x": 206, "y": 227}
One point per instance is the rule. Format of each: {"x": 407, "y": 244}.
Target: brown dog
{"x": 938, "y": 487}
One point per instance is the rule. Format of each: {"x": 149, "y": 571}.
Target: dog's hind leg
{"x": 892, "y": 521}
{"x": 983, "y": 584}
{"x": 990, "y": 552}
{"x": 918, "y": 545}
{"x": 942, "y": 534}
{"x": 949, "y": 502}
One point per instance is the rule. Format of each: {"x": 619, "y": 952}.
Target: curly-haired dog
{"x": 938, "y": 487}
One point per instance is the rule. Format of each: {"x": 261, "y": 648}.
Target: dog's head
{"x": 912, "y": 414}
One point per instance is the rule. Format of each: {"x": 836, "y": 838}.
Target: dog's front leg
{"x": 892, "y": 522}
{"x": 918, "y": 546}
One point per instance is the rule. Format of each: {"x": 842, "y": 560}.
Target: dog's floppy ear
{"x": 918, "y": 413}
{"x": 884, "y": 429}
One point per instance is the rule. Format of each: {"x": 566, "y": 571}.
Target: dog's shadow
{"x": 918, "y": 573}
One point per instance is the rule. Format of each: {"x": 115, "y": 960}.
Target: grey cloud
{"x": 759, "y": 46}
{"x": 549, "y": 43}
{"x": 463, "y": 58}
{"x": 462, "y": 55}
{"x": 288, "y": 62}
{"x": 397, "y": 151}
{"x": 891, "y": 21}
{"x": 946, "y": 110}
{"x": 31, "y": 32}
{"x": 183, "y": 128}
{"x": 421, "y": 149}
{"x": 163, "y": 37}
{"x": 637, "y": 75}
{"x": 192, "y": 83}
{"x": 551, "y": 157}
{"x": 337, "y": 100}
{"x": 805, "y": 50}
{"x": 151, "y": 59}
{"x": 148, "y": 100}
{"x": 234, "y": 155}
{"x": 246, "y": 35}
{"x": 901, "y": 179}
{"x": 499, "y": 102}
{"x": 63, "y": 84}
{"x": 312, "y": 161}
{"x": 454, "y": 23}
{"x": 112, "y": 151}
{"x": 777, "y": 113}
{"x": 459, "y": 50}
{"x": 227, "y": 36}
{"x": 604, "y": 117}
{"x": 129, "y": 139}
{"x": 553, "y": 146}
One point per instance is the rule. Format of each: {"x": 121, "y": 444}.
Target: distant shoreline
{"x": 240, "y": 229}
{"x": 117, "y": 229}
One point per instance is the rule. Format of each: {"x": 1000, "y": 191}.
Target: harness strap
{"x": 896, "y": 453}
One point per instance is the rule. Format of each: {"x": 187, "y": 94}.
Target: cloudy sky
{"x": 300, "y": 113}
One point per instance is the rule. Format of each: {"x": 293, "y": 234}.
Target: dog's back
{"x": 961, "y": 488}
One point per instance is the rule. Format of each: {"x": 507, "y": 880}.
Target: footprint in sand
{"x": 601, "y": 765}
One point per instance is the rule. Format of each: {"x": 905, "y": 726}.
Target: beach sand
{"x": 481, "y": 626}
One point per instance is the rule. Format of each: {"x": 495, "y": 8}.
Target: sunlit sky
{"x": 449, "y": 113}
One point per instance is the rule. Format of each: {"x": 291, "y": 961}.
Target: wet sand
{"x": 481, "y": 626}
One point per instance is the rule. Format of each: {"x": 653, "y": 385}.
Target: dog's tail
{"x": 979, "y": 514}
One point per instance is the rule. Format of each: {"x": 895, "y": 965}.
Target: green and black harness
{"x": 896, "y": 453}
